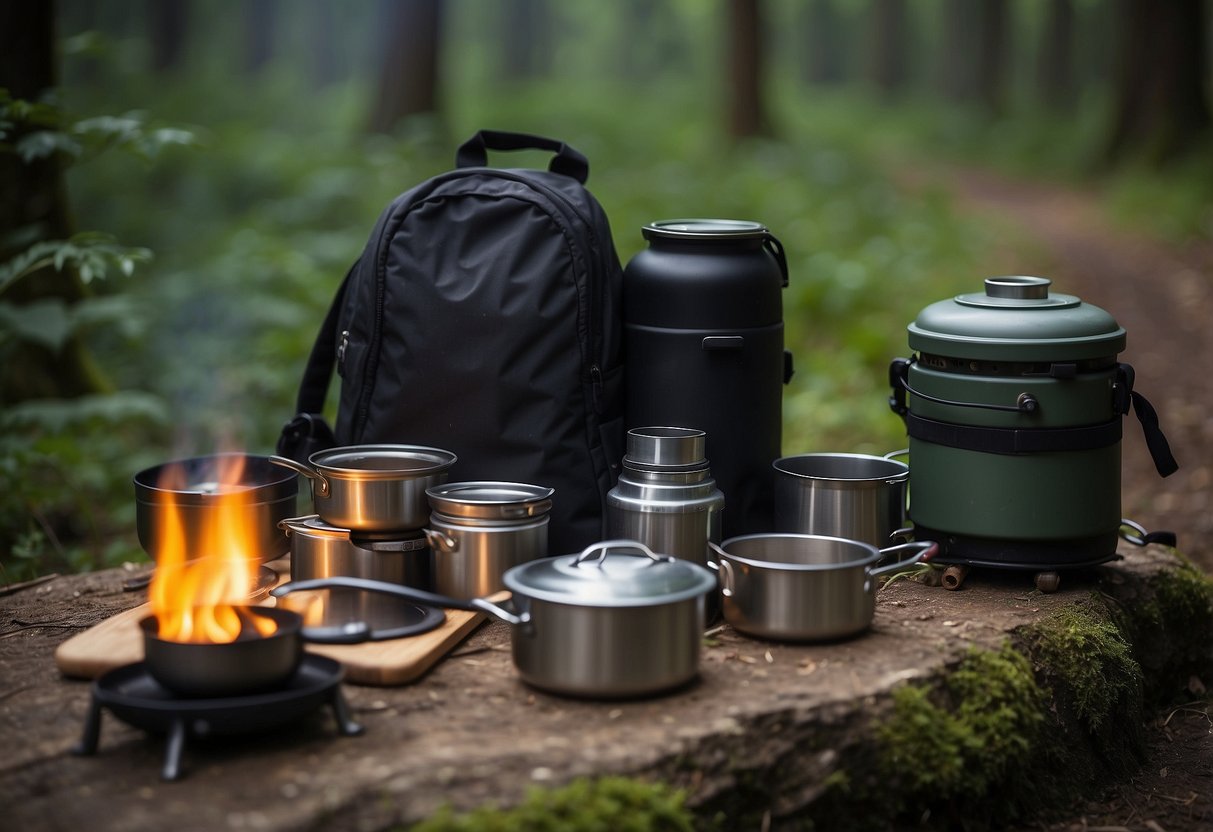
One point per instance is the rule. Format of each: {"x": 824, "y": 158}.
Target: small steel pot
{"x": 251, "y": 664}
{"x": 480, "y": 530}
{"x": 799, "y": 587}
{"x": 321, "y": 550}
{"x": 614, "y": 621}
{"x": 373, "y": 488}
{"x": 852, "y": 496}
{"x": 268, "y": 496}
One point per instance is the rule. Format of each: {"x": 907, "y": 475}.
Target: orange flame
{"x": 204, "y": 577}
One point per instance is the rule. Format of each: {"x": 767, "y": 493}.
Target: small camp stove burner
{"x": 137, "y": 699}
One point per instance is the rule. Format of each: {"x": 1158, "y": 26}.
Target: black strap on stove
{"x": 992, "y": 440}
{"x": 308, "y": 431}
{"x": 1156, "y": 441}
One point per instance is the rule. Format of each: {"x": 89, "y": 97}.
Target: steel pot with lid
{"x": 616, "y": 620}
{"x": 1013, "y": 401}
{"x": 479, "y": 530}
{"x": 373, "y": 488}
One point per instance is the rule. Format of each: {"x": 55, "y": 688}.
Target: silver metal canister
{"x": 478, "y": 530}
{"x": 666, "y": 497}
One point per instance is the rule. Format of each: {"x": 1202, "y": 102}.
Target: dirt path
{"x": 1161, "y": 294}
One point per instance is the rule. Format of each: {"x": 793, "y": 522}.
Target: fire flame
{"x": 201, "y": 585}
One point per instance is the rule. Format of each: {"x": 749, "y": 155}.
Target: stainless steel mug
{"x": 853, "y": 496}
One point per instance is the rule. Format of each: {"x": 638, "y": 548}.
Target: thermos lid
{"x": 700, "y": 229}
{"x": 1017, "y": 318}
{"x": 667, "y": 447}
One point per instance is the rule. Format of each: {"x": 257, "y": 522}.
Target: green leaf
{"x": 58, "y": 416}
{"x": 47, "y": 323}
{"x": 43, "y": 143}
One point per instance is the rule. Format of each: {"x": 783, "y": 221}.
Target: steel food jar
{"x": 1013, "y": 401}
{"x": 703, "y": 335}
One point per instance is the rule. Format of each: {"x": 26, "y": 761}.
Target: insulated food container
{"x": 1013, "y": 402}
{"x": 703, "y": 336}
{"x": 666, "y": 497}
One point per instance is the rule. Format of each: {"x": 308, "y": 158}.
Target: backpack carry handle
{"x": 474, "y": 152}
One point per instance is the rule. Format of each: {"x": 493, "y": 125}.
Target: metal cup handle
{"x": 441, "y": 542}
{"x": 320, "y": 484}
{"x": 924, "y": 550}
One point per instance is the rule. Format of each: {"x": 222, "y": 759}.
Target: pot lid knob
{"x": 1018, "y": 287}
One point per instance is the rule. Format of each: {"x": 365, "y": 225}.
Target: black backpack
{"x": 483, "y": 318}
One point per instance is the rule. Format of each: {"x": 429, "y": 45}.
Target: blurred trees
{"x": 746, "y": 88}
{"x": 410, "y": 44}
{"x": 1161, "y": 96}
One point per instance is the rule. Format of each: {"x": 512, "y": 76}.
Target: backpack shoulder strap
{"x": 307, "y": 432}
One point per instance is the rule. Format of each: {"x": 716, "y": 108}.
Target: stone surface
{"x": 470, "y": 732}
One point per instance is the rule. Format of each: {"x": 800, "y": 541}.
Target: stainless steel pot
{"x": 373, "y": 488}
{"x": 480, "y": 530}
{"x": 322, "y": 550}
{"x": 614, "y": 621}
{"x": 798, "y": 587}
{"x": 191, "y": 488}
{"x": 852, "y": 496}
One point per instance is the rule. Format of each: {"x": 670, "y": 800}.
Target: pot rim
{"x": 278, "y": 483}
{"x": 873, "y": 554}
{"x": 902, "y": 469}
{"x": 440, "y": 460}
{"x": 488, "y": 500}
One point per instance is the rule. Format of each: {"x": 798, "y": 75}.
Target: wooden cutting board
{"x": 118, "y": 641}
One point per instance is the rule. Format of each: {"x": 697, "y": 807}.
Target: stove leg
{"x": 172, "y": 752}
{"x": 1048, "y": 581}
{"x": 92, "y": 731}
{"x": 954, "y": 576}
{"x": 345, "y": 724}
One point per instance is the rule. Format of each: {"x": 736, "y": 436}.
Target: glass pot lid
{"x": 614, "y": 573}
{"x": 1017, "y": 318}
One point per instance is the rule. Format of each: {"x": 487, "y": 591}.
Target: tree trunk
{"x": 957, "y": 52}
{"x": 169, "y": 21}
{"x": 260, "y": 17}
{"x": 408, "y": 75}
{"x": 747, "y": 108}
{"x": 322, "y": 30}
{"x": 1055, "y": 62}
{"x": 889, "y": 38}
{"x": 1161, "y": 109}
{"x": 821, "y": 59}
{"x": 526, "y": 40}
{"x": 992, "y": 45}
{"x": 34, "y": 207}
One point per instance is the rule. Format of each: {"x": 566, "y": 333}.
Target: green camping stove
{"x": 1013, "y": 403}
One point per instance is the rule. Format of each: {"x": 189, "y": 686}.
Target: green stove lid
{"x": 1016, "y": 319}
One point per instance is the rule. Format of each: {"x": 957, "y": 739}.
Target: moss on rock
{"x": 608, "y": 804}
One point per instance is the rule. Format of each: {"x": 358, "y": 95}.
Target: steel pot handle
{"x": 321, "y": 484}
{"x": 897, "y": 453}
{"x": 606, "y": 545}
{"x": 724, "y": 569}
{"x": 926, "y": 549}
{"x": 408, "y": 593}
{"x": 442, "y": 542}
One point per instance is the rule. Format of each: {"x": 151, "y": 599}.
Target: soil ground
{"x": 1162, "y": 294}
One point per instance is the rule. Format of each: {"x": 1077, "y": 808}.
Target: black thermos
{"x": 703, "y": 340}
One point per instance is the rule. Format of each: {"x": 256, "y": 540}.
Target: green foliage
{"x": 969, "y": 737}
{"x": 90, "y": 254}
{"x": 610, "y": 804}
{"x": 1088, "y": 660}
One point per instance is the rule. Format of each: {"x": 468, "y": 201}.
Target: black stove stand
{"x": 132, "y": 695}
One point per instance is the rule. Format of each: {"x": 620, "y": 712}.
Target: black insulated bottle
{"x": 703, "y": 339}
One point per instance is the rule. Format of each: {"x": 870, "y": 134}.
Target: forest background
{"x": 183, "y": 184}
